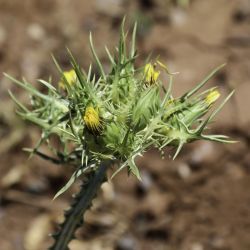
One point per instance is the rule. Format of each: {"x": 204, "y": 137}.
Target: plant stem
{"x": 82, "y": 201}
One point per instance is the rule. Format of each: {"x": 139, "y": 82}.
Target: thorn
{"x": 178, "y": 149}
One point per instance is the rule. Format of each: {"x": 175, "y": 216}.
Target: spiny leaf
{"x": 133, "y": 50}
{"x": 205, "y": 122}
{"x": 48, "y": 85}
{"x": 72, "y": 179}
{"x": 110, "y": 56}
{"x": 178, "y": 149}
{"x": 203, "y": 82}
{"x": 134, "y": 169}
{"x": 96, "y": 57}
{"x": 20, "y": 105}
{"x": 29, "y": 88}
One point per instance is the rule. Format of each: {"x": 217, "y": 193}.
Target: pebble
{"x": 218, "y": 243}
{"x": 111, "y": 8}
{"x": 184, "y": 170}
{"x": 126, "y": 242}
{"x": 108, "y": 191}
{"x": 147, "y": 181}
{"x": 36, "y": 32}
{"x": 178, "y": 16}
{"x": 197, "y": 246}
{"x": 204, "y": 151}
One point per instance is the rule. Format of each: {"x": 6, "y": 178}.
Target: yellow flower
{"x": 69, "y": 76}
{"x": 151, "y": 74}
{"x": 92, "y": 119}
{"x": 212, "y": 97}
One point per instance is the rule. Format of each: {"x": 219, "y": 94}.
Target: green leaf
{"x": 72, "y": 179}
{"x": 29, "y": 88}
{"x": 205, "y": 122}
{"x": 134, "y": 169}
{"x": 20, "y": 105}
{"x": 110, "y": 56}
{"x": 203, "y": 82}
{"x": 133, "y": 50}
{"x": 48, "y": 85}
{"x": 125, "y": 164}
{"x": 178, "y": 149}
{"x": 96, "y": 57}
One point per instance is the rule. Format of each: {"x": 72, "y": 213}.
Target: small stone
{"x": 203, "y": 152}
{"x": 144, "y": 185}
{"x": 36, "y": 32}
{"x": 218, "y": 242}
{"x": 161, "y": 199}
{"x": 111, "y": 8}
{"x": 197, "y": 246}
{"x": 178, "y": 16}
{"x": 184, "y": 170}
{"x": 126, "y": 243}
{"x": 146, "y": 180}
{"x": 108, "y": 191}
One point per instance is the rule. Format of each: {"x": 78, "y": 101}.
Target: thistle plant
{"x": 106, "y": 121}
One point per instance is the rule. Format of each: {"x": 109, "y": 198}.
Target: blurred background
{"x": 200, "y": 201}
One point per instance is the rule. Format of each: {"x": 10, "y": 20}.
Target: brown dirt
{"x": 201, "y": 201}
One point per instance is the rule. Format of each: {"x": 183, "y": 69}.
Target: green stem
{"x": 82, "y": 201}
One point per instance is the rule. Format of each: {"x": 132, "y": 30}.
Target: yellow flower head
{"x": 212, "y": 97}
{"x": 151, "y": 74}
{"x": 92, "y": 119}
{"x": 70, "y": 77}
